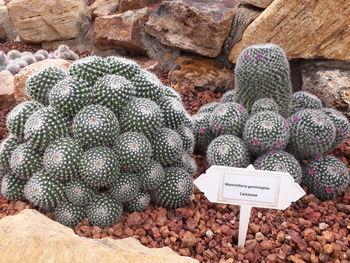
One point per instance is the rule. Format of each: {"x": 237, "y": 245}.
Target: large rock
{"x": 196, "y": 26}
{"x": 20, "y": 92}
{"x": 125, "y": 5}
{"x": 330, "y": 84}
{"x": 201, "y": 72}
{"x": 257, "y": 3}
{"x": 34, "y": 238}
{"x": 38, "y": 21}
{"x": 121, "y": 31}
{"x": 6, "y": 89}
{"x": 303, "y": 28}
{"x": 103, "y": 7}
{"x": 6, "y": 23}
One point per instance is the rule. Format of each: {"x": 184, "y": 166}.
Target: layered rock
{"x": 38, "y": 21}
{"x": 121, "y": 31}
{"x": 257, "y": 3}
{"x": 303, "y": 28}
{"x": 196, "y": 26}
{"x": 201, "y": 72}
{"x": 5, "y": 22}
{"x": 20, "y": 92}
{"x": 125, "y": 5}
{"x": 38, "y": 239}
{"x": 329, "y": 83}
{"x": 103, "y": 8}
{"x": 6, "y": 89}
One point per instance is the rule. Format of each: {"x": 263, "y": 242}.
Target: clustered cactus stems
{"x": 97, "y": 139}
{"x": 281, "y": 130}
{"x": 262, "y": 71}
{"x": 303, "y": 100}
{"x": 326, "y": 177}
{"x": 14, "y": 60}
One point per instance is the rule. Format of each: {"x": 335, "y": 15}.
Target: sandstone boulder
{"x": 257, "y": 3}
{"x": 6, "y": 89}
{"x": 20, "y": 92}
{"x": 103, "y": 8}
{"x": 330, "y": 84}
{"x": 38, "y": 21}
{"x": 34, "y": 237}
{"x": 196, "y": 26}
{"x": 303, "y": 28}
{"x": 121, "y": 31}
{"x": 6, "y": 23}
{"x": 125, "y": 5}
{"x": 201, "y": 72}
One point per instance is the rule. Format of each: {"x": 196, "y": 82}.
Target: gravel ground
{"x": 308, "y": 231}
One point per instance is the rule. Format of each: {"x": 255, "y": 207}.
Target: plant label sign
{"x": 248, "y": 188}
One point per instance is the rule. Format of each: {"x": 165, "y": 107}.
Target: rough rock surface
{"x": 5, "y": 22}
{"x": 257, "y": 3}
{"x": 125, "y": 5}
{"x": 199, "y": 27}
{"x": 37, "y": 21}
{"x": 330, "y": 84}
{"x": 303, "y": 28}
{"x": 121, "y": 31}
{"x": 36, "y": 238}
{"x": 6, "y": 89}
{"x": 201, "y": 72}
{"x": 20, "y": 92}
{"x": 103, "y": 7}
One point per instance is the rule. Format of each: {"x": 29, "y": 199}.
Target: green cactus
{"x": 209, "y": 107}
{"x": 173, "y": 112}
{"x": 41, "y": 82}
{"x": 167, "y": 146}
{"x": 13, "y": 54}
{"x": 12, "y": 187}
{"x": 175, "y": 190}
{"x": 264, "y": 104}
{"x": 44, "y": 191}
{"x": 202, "y": 132}
{"x": 7, "y": 147}
{"x": 114, "y": 92}
{"x": 228, "y": 150}
{"x": 341, "y": 124}
{"x": 30, "y": 59}
{"x": 122, "y": 67}
{"x": 326, "y": 177}
{"x": 43, "y": 126}
{"x": 187, "y": 137}
{"x": 141, "y": 115}
{"x": 147, "y": 85}
{"x": 69, "y": 214}
{"x": 103, "y": 211}
{"x": 265, "y": 131}
{"x": 13, "y": 68}
{"x": 302, "y": 100}
{"x": 125, "y": 188}
{"x": 133, "y": 150}
{"x": 139, "y": 202}
{"x": 229, "y": 118}
{"x": 70, "y": 95}
{"x": 61, "y": 159}
{"x": 262, "y": 71}
{"x": 78, "y": 192}
{"x": 151, "y": 176}
{"x": 98, "y": 167}
{"x": 279, "y": 161}
{"x": 187, "y": 163}
{"x": 95, "y": 125}
{"x": 312, "y": 133}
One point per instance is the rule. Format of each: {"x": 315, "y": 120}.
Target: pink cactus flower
{"x": 258, "y": 56}
{"x": 246, "y": 56}
{"x": 317, "y": 157}
{"x": 201, "y": 130}
{"x": 329, "y": 190}
{"x": 256, "y": 142}
{"x": 311, "y": 171}
{"x": 217, "y": 127}
{"x": 341, "y": 132}
{"x": 296, "y": 118}
{"x": 240, "y": 108}
{"x": 272, "y": 152}
{"x": 287, "y": 127}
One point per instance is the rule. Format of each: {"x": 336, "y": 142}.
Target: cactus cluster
{"x": 15, "y": 60}
{"x": 262, "y": 121}
{"x": 101, "y": 137}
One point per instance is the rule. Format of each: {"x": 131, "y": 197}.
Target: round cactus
{"x": 229, "y": 118}
{"x": 175, "y": 189}
{"x": 7, "y": 147}
{"x": 78, "y": 192}
{"x": 151, "y": 176}
{"x": 40, "y": 83}
{"x": 302, "y": 100}
{"x": 139, "y": 202}
{"x": 13, "y": 54}
{"x": 12, "y": 187}
{"x": 125, "y": 188}
{"x": 279, "y": 161}
{"x": 61, "y": 159}
{"x": 122, "y": 66}
{"x": 69, "y": 214}
{"x": 42, "y": 52}
{"x": 262, "y": 71}
{"x": 264, "y": 104}
{"x": 209, "y": 107}
{"x": 43, "y": 126}
{"x": 326, "y": 177}
{"x": 134, "y": 151}
{"x": 312, "y": 133}
{"x": 13, "y": 68}
{"x": 44, "y": 191}
{"x": 70, "y": 95}
{"x": 147, "y": 85}
{"x": 21, "y": 62}
{"x": 103, "y": 211}
{"x": 187, "y": 137}
{"x": 19, "y": 115}
{"x": 95, "y": 125}
{"x": 202, "y": 132}
{"x": 98, "y": 167}
{"x": 229, "y": 96}
{"x": 187, "y": 163}
{"x": 228, "y": 150}
{"x": 265, "y": 131}
{"x": 173, "y": 112}
{"x": 30, "y": 59}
